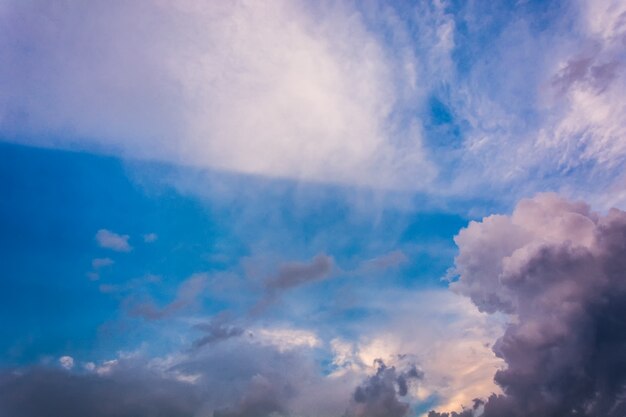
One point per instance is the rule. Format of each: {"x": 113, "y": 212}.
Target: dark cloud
{"x": 378, "y": 395}
{"x": 216, "y": 330}
{"x": 468, "y": 412}
{"x": 235, "y": 378}
{"x": 53, "y": 393}
{"x": 561, "y": 270}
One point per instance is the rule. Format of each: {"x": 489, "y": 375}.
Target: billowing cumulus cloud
{"x": 558, "y": 268}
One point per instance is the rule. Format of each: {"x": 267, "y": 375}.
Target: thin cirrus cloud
{"x": 203, "y": 84}
{"x": 349, "y": 97}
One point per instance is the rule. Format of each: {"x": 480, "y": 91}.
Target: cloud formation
{"x": 111, "y": 240}
{"x": 235, "y": 378}
{"x": 205, "y": 84}
{"x": 378, "y": 395}
{"x": 216, "y": 330}
{"x": 294, "y": 274}
{"x": 559, "y": 269}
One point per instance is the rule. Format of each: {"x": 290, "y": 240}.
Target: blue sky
{"x": 192, "y": 235}
{"x": 286, "y": 208}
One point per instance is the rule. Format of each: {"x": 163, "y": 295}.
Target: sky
{"x": 312, "y": 209}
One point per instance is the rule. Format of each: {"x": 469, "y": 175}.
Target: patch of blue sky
{"x": 49, "y": 244}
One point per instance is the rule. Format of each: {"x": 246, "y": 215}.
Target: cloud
{"x": 98, "y": 263}
{"x": 294, "y": 274}
{"x": 204, "y": 84}
{"x": 262, "y": 398}
{"x": 442, "y": 332}
{"x": 558, "y": 268}
{"x": 234, "y": 378}
{"x": 216, "y": 330}
{"x": 48, "y": 393}
{"x": 475, "y": 410}
{"x": 433, "y": 97}
{"x": 66, "y": 362}
{"x": 291, "y": 275}
{"x": 111, "y": 240}
{"x": 378, "y": 395}
{"x": 286, "y": 339}
{"x": 150, "y": 237}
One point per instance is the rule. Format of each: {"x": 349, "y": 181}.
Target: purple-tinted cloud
{"x": 378, "y": 395}
{"x": 560, "y": 270}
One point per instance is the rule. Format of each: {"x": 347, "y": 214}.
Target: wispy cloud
{"x": 187, "y": 295}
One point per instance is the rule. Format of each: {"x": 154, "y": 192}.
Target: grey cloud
{"x": 291, "y": 275}
{"x": 378, "y": 395}
{"x": 263, "y": 398}
{"x": 468, "y": 412}
{"x": 294, "y": 274}
{"x": 53, "y": 393}
{"x": 236, "y": 378}
{"x": 216, "y": 330}
{"x": 560, "y": 268}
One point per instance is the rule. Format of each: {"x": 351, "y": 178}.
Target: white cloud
{"x": 272, "y": 88}
{"x": 66, "y": 362}
{"x": 111, "y": 240}
{"x": 107, "y": 367}
{"x": 442, "y": 333}
{"x": 285, "y": 339}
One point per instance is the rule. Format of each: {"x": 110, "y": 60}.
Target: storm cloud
{"x": 378, "y": 395}
{"x": 559, "y": 270}
{"x": 237, "y": 377}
